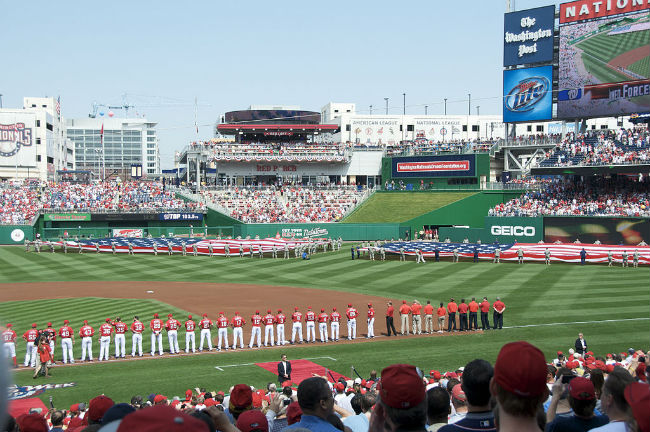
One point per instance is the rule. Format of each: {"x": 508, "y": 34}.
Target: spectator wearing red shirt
{"x": 497, "y": 317}
{"x": 462, "y": 315}
{"x": 389, "y": 319}
{"x": 452, "y": 308}
{"x": 428, "y": 317}
{"x": 404, "y": 311}
{"x": 485, "y": 309}
{"x": 441, "y": 317}
{"x": 473, "y": 310}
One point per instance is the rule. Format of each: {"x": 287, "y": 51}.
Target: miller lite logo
{"x": 12, "y": 137}
{"x": 526, "y": 94}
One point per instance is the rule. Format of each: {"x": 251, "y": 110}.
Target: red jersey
{"x": 371, "y": 313}
{"x": 256, "y": 320}
{"x": 390, "y": 311}
{"x": 9, "y": 336}
{"x": 205, "y": 324}
{"x": 222, "y": 322}
{"x": 120, "y": 327}
{"x": 86, "y": 331}
{"x": 442, "y": 311}
{"x": 44, "y": 353}
{"x": 416, "y": 308}
{"x": 51, "y": 333}
{"x": 280, "y": 318}
{"x": 335, "y": 317}
{"x": 473, "y": 306}
{"x": 499, "y": 306}
{"x": 31, "y": 335}
{"x": 322, "y": 318}
{"x": 310, "y": 316}
{"x": 463, "y": 308}
{"x": 137, "y": 327}
{"x": 66, "y": 332}
{"x": 237, "y": 321}
{"x": 351, "y": 313}
{"x": 269, "y": 320}
{"x": 296, "y": 316}
{"x": 428, "y": 309}
{"x": 105, "y": 329}
{"x": 190, "y": 325}
{"x": 485, "y": 306}
{"x": 405, "y": 309}
{"x": 452, "y": 307}
{"x": 172, "y": 324}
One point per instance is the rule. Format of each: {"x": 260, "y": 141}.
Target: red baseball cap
{"x": 458, "y": 393}
{"x": 322, "y": 309}
{"x": 521, "y": 369}
{"x": 268, "y": 311}
{"x": 49, "y": 324}
{"x": 34, "y": 325}
{"x": 236, "y": 312}
{"x": 159, "y": 399}
{"x": 403, "y": 301}
{"x": 610, "y": 368}
{"x": 582, "y": 389}
{"x": 66, "y": 322}
{"x": 401, "y": 387}
{"x": 435, "y": 375}
{"x": 296, "y": 308}
{"x": 369, "y": 304}
{"x": 108, "y": 320}
{"x": 638, "y": 396}
{"x": 252, "y": 420}
{"x": 279, "y": 310}
{"x": 205, "y": 314}
{"x": 85, "y": 321}
{"x": 560, "y": 353}
{"x": 155, "y": 315}
{"x": 349, "y": 304}
{"x": 32, "y": 423}
{"x": 294, "y": 413}
{"x": 241, "y": 396}
{"x": 257, "y": 312}
{"x": 98, "y": 406}
{"x": 9, "y": 325}
{"x": 340, "y": 386}
{"x": 161, "y": 417}
{"x": 189, "y": 317}
{"x": 74, "y": 408}
{"x": 169, "y": 315}
{"x": 334, "y": 309}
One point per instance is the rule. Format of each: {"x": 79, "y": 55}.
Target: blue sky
{"x": 231, "y": 54}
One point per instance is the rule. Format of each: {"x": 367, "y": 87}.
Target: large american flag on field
{"x": 176, "y": 244}
{"x": 565, "y": 252}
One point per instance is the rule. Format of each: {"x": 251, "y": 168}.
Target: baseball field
{"x": 547, "y": 306}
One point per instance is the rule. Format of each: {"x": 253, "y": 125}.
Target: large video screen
{"x": 604, "y": 67}
{"x": 613, "y": 231}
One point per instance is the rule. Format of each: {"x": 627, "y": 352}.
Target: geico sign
{"x": 526, "y": 231}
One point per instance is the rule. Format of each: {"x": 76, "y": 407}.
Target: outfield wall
{"x": 16, "y": 234}
{"x": 332, "y": 230}
{"x": 501, "y": 229}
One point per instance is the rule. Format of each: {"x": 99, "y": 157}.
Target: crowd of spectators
{"x": 21, "y": 201}
{"x": 597, "y": 196}
{"x": 521, "y": 391}
{"x": 285, "y": 203}
{"x": 279, "y": 150}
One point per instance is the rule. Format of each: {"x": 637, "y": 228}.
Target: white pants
{"x": 66, "y": 348}
{"x": 156, "y": 338}
{"x": 86, "y": 348}
{"x": 371, "y": 327}
{"x": 189, "y": 337}
{"x": 237, "y": 333}
{"x": 207, "y": 335}
{"x": 172, "y": 337}
{"x": 223, "y": 337}
{"x": 268, "y": 334}
{"x": 322, "y": 329}
{"x": 280, "y": 331}
{"x": 352, "y": 329}
{"x": 136, "y": 341}
{"x": 297, "y": 328}
{"x": 335, "y": 331}
{"x": 30, "y": 355}
{"x": 104, "y": 347}
{"x": 120, "y": 342}
{"x": 52, "y": 348}
{"x": 256, "y": 332}
{"x": 311, "y": 330}
{"x": 10, "y": 349}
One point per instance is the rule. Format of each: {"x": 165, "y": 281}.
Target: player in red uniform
{"x": 335, "y": 319}
{"x": 156, "y": 326}
{"x": 51, "y": 337}
{"x": 351, "y": 313}
{"x": 268, "y": 321}
{"x": 323, "y": 317}
{"x": 30, "y": 337}
{"x": 280, "y": 319}
{"x": 67, "y": 340}
{"x": 120, "y": 337}
{"x": 136, "y": 338}
{"x": 256, "y": 330}
{"x": 9, "y": 339}
{"x": 172, "y": 325}
{"x": 237, "y": 332}
{"x": 86, "y": 333}
{"x": 441, "y": 317}
{"x": 310, "y": 324}
{"x": 205, "y": 325}
{"x": 371, "y": 321}
{"x": 222, "y": 325}
{"x": 190, "y": 325}
{"x": 428, "y": 317}
{"x": 296, "y": 317}
{"x": 105, "y": 332}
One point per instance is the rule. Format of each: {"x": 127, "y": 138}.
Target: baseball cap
{"x": 252, "y": 420}
{"x": 294, "y": 413}
{"x": 340, "y": 386}
{"x": 521, "y": 369}
{"x": 32, "y": 423}
{"x": 205, "y": 315}
{"x": 458, "y": 393}
{"x": 161, "y": 417}
{"x": 117, "y": 412}
{"x": 236, "y": 312}
{"x": 66, "y": 321}
{"x": 85, "y": 322}
{"x": 241, "y": 397}
{"x": 49, "y": 324}
{"x": 582, "y": 389}
{"x": 155, "y": 315}
{"x": 257, "y": 312}
{"x": 296, "y": 308}
{"x": 403, "y": 301}
{"x": 108, "y": 320}
{"x": 169, "y": 315}
{"x": 9, "y": 325}
{"x": 401, "y": 386}
{"x": 279, "y": 310}
{"x": 322, "y": 309}
{"x": 159, "y": 399}
{"x": 34, "y": 325}
{"x": 637, "y": 396}
{"x": 188, "y": 394}
{"x": 268, "y": 311}
{"x": 98, "y": 407}
{"x": 334, "y": 309}
{"x": 349, "y": 304}
{"x": 189, "y": 317}
{"x": 560, "y": 353}
{"x": 610, "y": 368}
{"x": 74, "y": 408}
{"x": 435, "y": 374}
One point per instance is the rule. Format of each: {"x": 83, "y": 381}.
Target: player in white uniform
{"x": 136, "y": 339}
{"x": 296, "y": 317}
{"x": 351, "y": 314}
{"x": 190, "y": 325}
{"x": 67, "y": 340}
{"x": 310, "y": 320}
{"x": 205, "y": 325}
{"x": 256, "y": 331}
{"x": 322, "y": 325}
{"x": 280, "y": 319}
{"x": 172, "y": 326}
{"x": 268, "y": 321}
{"x": 9, "y": 340}
{"x": 120, "y": 337}
{"x": 222, "y": 325}
{"x": 105, "y": 332}
{"x": 335, "y": 319}
{"x": 237, "y": 331}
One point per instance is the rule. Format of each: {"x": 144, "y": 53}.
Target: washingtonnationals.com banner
{"x": 434, "y": 166}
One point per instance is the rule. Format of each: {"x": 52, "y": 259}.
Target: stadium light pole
{"x": 370, "y": 109}
{"x": 425, "y": 109}
{"x": 404, "y": 111}
{"x": 478, "y": 107}
{"x": 386, "y": 99}
{"x": 445, "y": 106}
{"x": 469, "y": 104}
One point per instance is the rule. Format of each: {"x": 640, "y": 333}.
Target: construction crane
{"x": 125, "y": 106}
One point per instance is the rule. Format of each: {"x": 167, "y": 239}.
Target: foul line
{"x": 578, "y": 322}
{"x": 250, "y": 364}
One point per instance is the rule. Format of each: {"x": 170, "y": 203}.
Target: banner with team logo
{"x": 527, "y": 94}
{"x": 17, "y": 142}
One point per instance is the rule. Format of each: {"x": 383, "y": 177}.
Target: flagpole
{"x": 103, "y": 162}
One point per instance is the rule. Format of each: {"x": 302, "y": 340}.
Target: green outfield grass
{"x": 606, "y": 47}
{"x": 568, "y": 298}
{"x": 402, "y": 206}
{"x": 642, "y": 67}
{"x": 601, "y": 71}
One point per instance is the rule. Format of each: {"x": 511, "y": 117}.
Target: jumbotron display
{"x": 604, "y": 60}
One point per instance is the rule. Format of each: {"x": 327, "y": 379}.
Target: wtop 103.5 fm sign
{"x": 434, "y": 166}
{"x": 528, "y": 36}
{"x": 528, "y": 94}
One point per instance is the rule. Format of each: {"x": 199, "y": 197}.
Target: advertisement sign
{"x": 181, "y": 216}
{"x": 603, "y": 67}
{"x": 589, "y": 9}
{"x": 128, "y": 232}
{"x": 527, "y": 94}
{"x": 66, "y": 217}
{"x": 528, "y": 36}
{"x": 613, "y": 231}
{"x": 521, "y": 229}
{"x": 17, "y": 142}
{"x": 434, "y": 166}
{"x": 304, "y": 232}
